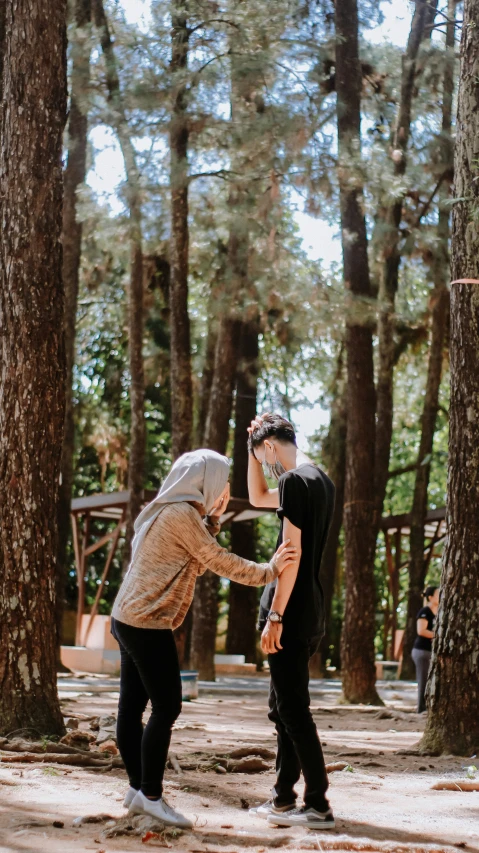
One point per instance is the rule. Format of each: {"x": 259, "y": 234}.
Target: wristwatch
{"x": 274, "y": 616}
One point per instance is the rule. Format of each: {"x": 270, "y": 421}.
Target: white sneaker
{"x": 129, "y": 797}
{"x": 309, "y": 818}
{"x": 265, "y": 809}
{"x": 159, "y": 809}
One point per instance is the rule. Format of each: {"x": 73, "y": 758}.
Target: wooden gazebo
{"x": 112, "y": 507}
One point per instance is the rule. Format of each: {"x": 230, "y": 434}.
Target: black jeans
{"x": 299, "y": 748}
{"x": 149, "y": 670}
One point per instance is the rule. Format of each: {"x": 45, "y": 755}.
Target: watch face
{"x": 274, "y": 617}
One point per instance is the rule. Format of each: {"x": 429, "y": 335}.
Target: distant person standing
{"x": 422, "y": 649}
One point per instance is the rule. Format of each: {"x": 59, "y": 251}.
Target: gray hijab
{"x": 198, "y": 476}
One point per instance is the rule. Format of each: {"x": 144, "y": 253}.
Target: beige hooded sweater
{"x": 159, "y": 586}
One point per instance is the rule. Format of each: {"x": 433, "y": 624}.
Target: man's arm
{"x": 271, "y": 636}
{"x": 259, "y": 493}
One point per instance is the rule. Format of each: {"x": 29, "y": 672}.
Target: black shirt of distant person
{"x": 306, "y": 498}
{"x": 425, "y": 643}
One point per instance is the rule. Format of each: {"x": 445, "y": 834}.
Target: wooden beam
{"x": 114, "y": 537}
{"x": 81, "y": 579}
{"x": 104, "y": 539}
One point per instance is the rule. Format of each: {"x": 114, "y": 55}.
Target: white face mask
{"x": 274, "y": 470}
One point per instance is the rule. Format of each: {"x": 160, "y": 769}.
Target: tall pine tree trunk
{"x": 243, "y": 600}
{"x": 181, "y": 381}
{"x": 439, "y": 324}
{"x": 390, "y": 239}
{"x": 243, "y": 110}
{"x": 334, "y": 459}
{"x": 119, "y": 121}
{"x": 74, "y": 177}
{"x": 357, "y": 644}
{"x": 453, "y": 721}
{"x": 32, "y": 387}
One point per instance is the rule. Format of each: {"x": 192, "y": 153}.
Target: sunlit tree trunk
{"x": 74, "y": 177}
{"x": 453, "y": 721}
{"x": 32, "y": 362}
{"x": 439, "y": 324}
{"x": 119, "y": 121}
{"x": 181, "y": 381}
{"x": 357, "y": 644}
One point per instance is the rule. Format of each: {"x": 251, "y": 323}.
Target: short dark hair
{"x": 273, "y": 426}
{"x": 429, "y": 591}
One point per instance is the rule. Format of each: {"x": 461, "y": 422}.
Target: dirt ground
{"x": 382, "y": 801}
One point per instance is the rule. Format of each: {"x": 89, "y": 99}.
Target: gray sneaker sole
{"x": 282, "y": 820}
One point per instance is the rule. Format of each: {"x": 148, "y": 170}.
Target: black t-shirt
{"x": 306, "y": 497}
{"x": 425, "y": 643}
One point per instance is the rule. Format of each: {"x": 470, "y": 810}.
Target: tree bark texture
{"x": 32, "y": 387}
{"x": 74, "y": 177}
{"x": 357, "y": 643}
{"x": 389, "y": 279}
{"x": 453, "y": 721}
{"x": 118, "y": 120}
{"x": 181, "y": 379}
{"x": 243, "y": 600}
{"x": 439, "y": 331}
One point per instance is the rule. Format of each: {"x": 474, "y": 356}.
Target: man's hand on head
{"x": 257, "y": 422}
{"x": 271, "y": 638}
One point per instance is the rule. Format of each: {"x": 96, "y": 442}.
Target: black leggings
{"x": 149, "y": 670}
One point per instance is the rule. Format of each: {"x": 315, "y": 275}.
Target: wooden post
{"x": 387, "y": 616}
{"x": 114, "y": 536}
{"x": 81, "y": 567}
{"x": 395, "y": 590}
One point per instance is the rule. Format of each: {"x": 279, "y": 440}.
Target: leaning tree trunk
{"x": 74, "y": 177}
{"x": 243, "y": 600}
{"x": 32, "y": 387}
{"x": 390, "y": 239}
{"x": 453, "y": 721}
{"x": 118, "y": 120}
{"x": 439, "y": 324}
{"x": 357, "y": 643}
{"x": 181, "y": 380}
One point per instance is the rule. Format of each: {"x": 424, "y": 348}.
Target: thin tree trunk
{"x": 357, "y": 643}
{"x": 181, "y": 380}
{"x": 32, "y": 387}
{"x": 389, "y": 279}
{"x": 243, "y": 600}
{"x": 205, "y": 607}
{"x": 439, "y": 324}
{"x": 135, "y": 293}
{"x": 74, "y": 177}
{"x": 334, "y": 456}
{"x": 453, "y": 721}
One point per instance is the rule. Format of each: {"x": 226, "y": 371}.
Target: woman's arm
{"x": 423, "y": 630}
{"x": 271, "y": 636}
{"x": 198, "y": 542}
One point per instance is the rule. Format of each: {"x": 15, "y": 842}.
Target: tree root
{"x": 83, "y": 760}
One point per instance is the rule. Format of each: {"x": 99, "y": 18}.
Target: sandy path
{"x": 386, "y": 796}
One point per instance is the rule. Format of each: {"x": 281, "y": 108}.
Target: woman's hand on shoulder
{"x": 286, "y": 556}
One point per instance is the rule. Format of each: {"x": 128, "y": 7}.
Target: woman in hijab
{"x": 172, "y": 546}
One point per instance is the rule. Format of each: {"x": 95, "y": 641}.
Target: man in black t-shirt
{"x": 292, "y": 616}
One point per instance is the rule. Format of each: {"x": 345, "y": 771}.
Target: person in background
{"x": 292, "y": 616}
{"x": 173, "y": 545}
{"x": 422, "y": 649}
